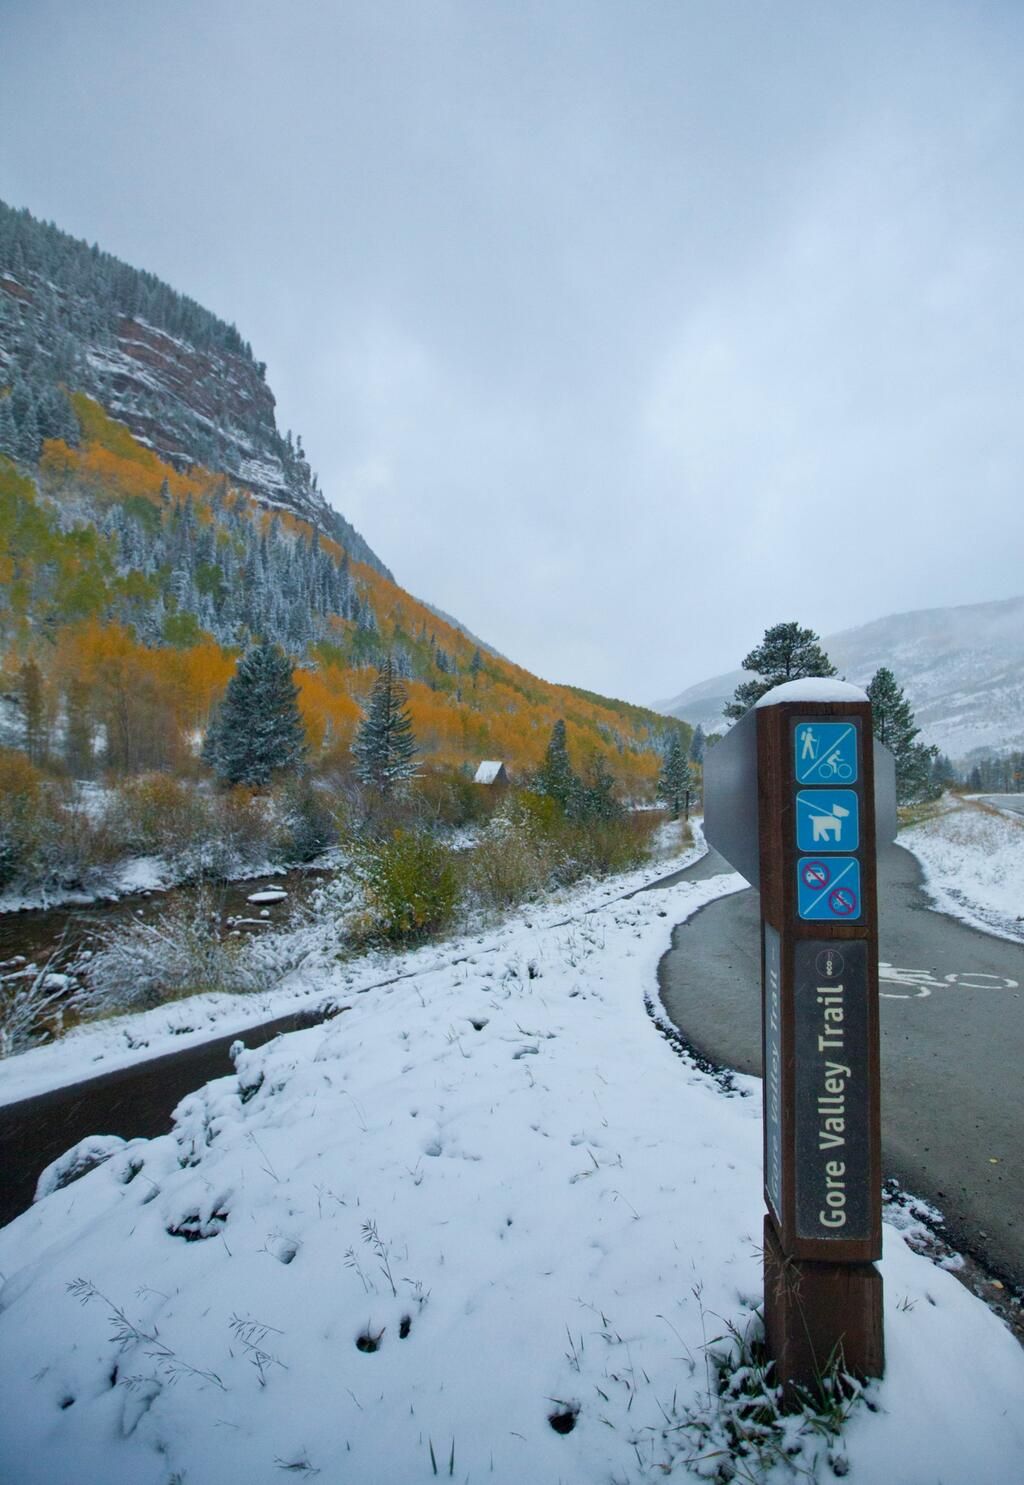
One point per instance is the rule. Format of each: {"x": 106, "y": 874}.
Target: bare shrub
{"x": 48, "y": 838}
{"x": 508, "y": 864}
{"x": 31, "y": 1006}
{"x": 21, "y": 791}
{"x": 243, "y": 827}
{"x": 142, "y": 964}
{"x": 160, "y": 814}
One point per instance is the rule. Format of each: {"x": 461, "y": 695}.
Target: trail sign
{"x": 731, "y": 794}
{"x": 825, "y": 752}
{"x": 790, "y": 801}
{"x": 827, "y": 820}
{"x": 829, "y": 889}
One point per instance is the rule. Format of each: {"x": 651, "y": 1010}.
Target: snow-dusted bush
{"x": 509, "y": 863}
{"x": 411, "y": 885}
{"x": 49, "y": 838}
{"x": 141, "y": 964}
{"x": 309, "y": 820}
{"x": 244, "y": 831}
{"x": 161, "y": 815}
{"x": 31, "y": 1004}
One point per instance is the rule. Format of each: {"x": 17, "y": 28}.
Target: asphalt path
{"x": 952, "y": 1046}
{"x": 1013, "y": 802}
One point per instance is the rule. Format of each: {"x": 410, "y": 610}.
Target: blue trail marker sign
{"x": 791, "y": 797}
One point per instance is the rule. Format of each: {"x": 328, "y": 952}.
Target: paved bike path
{"x": 951, "y": 1052}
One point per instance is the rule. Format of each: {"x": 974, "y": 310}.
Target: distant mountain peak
{"x": 961, "y": 667}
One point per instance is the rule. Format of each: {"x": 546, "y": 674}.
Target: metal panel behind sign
{"x": 773, "y": 1070}
{"x": 885, "y": 794}
{"x": 833, "y": 1096}
{"x": 730, "y": 798}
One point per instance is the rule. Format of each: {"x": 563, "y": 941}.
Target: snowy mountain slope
{"x": 183, "y": 381}
{"x": 962, "y": 670}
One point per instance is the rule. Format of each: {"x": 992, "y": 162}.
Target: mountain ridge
{"x": 961, "y": 667}
{"x": 74, "y": 318}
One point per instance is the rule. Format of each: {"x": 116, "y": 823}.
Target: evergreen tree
{"x": 893, "y": 721}
{"x": 8, "y": 428}
{"x": 555, "y": 776}
{"x": 594, "y": 795}
{"x": 30, "y": 680}
{"x": 78, "y": 730}
{"x": 384, "y": 746}
{"x": 786, "y": 653}
{"x": 675, "y": 784}
{"x": 257, "y": 730}
{"x": 697, "y": 745}
{"x": 943, "y": 774}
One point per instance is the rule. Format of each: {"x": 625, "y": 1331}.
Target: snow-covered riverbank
{"x": 488, "y": 1196}
{"x": 972, "y": 854}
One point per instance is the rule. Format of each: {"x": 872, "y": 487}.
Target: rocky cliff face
{"x": 184, "y": 382}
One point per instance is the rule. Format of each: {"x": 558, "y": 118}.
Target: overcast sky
{"x": 620, "y": 330}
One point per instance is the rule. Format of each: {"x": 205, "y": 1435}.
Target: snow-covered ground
{"x": 973, "y": 860}
{"x": 396, "y": 1246}
{"x": 314, "y": 982}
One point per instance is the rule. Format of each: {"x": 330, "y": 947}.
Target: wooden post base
{"x": 818, "y": 1314}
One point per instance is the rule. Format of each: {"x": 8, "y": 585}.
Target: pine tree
{"x": 257, "y": 730}
{"x": 555, "y": 776}
{"x": 697, "y": 745}
{"x": 786, "y": 653}
{"x": 8, "y": 428}
{"x": 675, "y": 784}
{"x": 893, "y": 721}
{"x": 384, "y": 746}
{"x": 30, "y": 679}
{"x": 594, "y": 797}
{"x": 78, "y": 730}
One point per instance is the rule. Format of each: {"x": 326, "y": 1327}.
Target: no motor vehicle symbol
{"x": 815, "y": 874}
{"x": 828, "y": 889}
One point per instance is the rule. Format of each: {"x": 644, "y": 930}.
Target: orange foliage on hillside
{"x": 329, "y": 713}
{"x": 114, "y": 465}
{"x": 500, "y": 711}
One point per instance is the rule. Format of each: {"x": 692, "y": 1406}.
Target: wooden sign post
{"x": 794, "y": 785}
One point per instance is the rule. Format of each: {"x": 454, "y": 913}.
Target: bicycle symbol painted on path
{"x": 918, "y": 984}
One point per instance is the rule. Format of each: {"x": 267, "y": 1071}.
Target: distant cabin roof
{"x": 488, "y": 772}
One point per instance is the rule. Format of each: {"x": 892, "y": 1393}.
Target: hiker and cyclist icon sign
{"x": 826, "y": 753}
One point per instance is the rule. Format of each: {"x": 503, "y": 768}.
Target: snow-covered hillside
{"x": 962, "y": 670}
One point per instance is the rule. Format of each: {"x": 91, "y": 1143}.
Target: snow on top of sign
{"x": 812, "y": 688}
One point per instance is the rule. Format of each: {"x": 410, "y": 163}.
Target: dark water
{"x": 59, "y": 935}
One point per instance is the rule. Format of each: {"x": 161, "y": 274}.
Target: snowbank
{"x": 973, "y": 861}
{"x": 488, "y": 1196}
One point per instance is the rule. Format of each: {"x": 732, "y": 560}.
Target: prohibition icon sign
{"x": 843, "y": 902}
{"x": 816, "y": 874}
